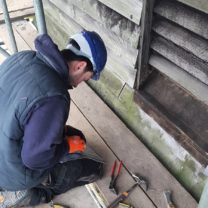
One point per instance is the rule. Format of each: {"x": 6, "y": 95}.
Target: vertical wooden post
{"x": 144, "y": 43}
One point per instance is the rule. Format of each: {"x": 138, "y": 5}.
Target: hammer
{"x": 139, "y": 181}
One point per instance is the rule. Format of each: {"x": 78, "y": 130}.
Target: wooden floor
{"x": 111, "y": 139}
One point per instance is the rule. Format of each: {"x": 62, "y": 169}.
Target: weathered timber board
{"x": 181, "y": 58}
{"x": 136, "y": 157}
{"x": 27, "y": 32}
{"x": 182, "y": 38}
{"x": 21, "y": 44}
{"x": 118, "y": 46}
{"x": 109, "y": 19}
{"x": 130, "y": 9}
{"x": 19, "y": 14}
{"x": 121, "y": 69}
{"x": 57, "y": 19}
{"x": 185, "y": 80}
{"x": 21, "y": 5}
{"x": 194, "y": 21}
{"x": 144, "y": 42}
{"x": 199, "y": 4}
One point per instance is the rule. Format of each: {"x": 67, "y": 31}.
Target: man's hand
{"x": 76, "y": 144}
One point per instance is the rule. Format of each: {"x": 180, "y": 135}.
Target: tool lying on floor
{"x": 97, "y": 195}
{"x": 169, "y": 202}
{"x": 139, "y": 181}
{"x": 123, "y": 205}
{"x": 114, "y": 177}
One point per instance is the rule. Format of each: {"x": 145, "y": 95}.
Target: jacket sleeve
{"x": 43, "y": 141}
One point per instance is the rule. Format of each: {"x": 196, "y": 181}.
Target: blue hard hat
{"x": 92, "y": 47}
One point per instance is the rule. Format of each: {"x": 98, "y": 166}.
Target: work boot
{"x": 12, "y": 198}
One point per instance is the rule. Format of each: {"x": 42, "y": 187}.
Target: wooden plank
{"x": 55, "y": 18}
{"x": 117, "y": 61}
{"x": 144, "y": 43}
{"x": 181, "y": 58}
{"x": 94, "y": 138}
{"x": 130, "y": 9}
{"x": 188, "y": 18}
{"x": 187, "y": 81}
{"x": 120, "y": 68}
{"x": 24, "y": 36}
{"x": 19, "y": 14}
{"x": 199, "y": 4}
{"x": 21, "y": 5}
{"x": 109, "y": 19}
{"x": 21, "y": 44}
{"x": 183, "y": 38}
{"x": 129, "y": 149}
{"x": 27, "y": 32}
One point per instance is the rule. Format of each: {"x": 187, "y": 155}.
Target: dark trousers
{"x": 65, "y": 176}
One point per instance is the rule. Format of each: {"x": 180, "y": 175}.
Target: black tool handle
{"x": 118, "y": 199}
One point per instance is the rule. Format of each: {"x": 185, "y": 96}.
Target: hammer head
{"x": 140, "y": 181}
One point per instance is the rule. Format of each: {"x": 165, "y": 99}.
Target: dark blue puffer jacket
{"x": 31, "y": 128}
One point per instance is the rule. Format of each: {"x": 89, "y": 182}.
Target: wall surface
{"x": 201, "y": 5}
{"x": 120, "y": 30}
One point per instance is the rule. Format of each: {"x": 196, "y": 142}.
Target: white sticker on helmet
{"x": 84, "y": 48}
